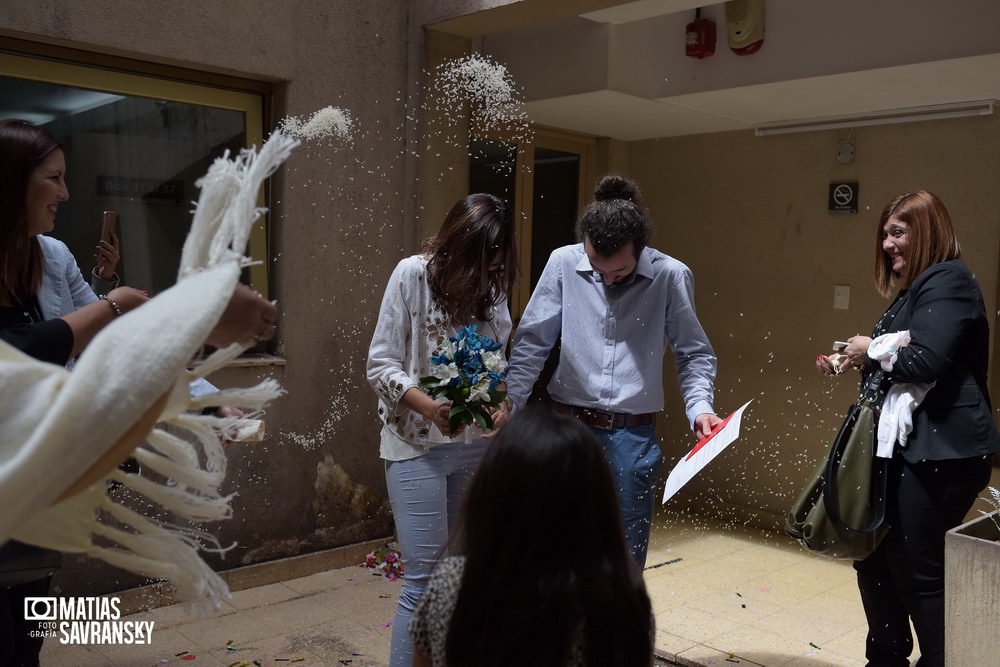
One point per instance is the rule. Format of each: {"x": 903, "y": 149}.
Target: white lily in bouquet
{"x": 468, "y": 370}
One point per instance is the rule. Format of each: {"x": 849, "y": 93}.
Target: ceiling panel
{"x": 819, "y": 60}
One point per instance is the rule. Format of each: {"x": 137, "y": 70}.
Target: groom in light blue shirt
{"x": 614, "y": 305}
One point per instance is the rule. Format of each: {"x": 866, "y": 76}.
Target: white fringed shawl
{"x": 55, "y": 424}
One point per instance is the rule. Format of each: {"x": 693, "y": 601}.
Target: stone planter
{"x": 972, "y": 593}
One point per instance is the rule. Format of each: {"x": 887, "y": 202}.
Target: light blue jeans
{"x": 426, "y": 493}
{"x": 635, "y": 460}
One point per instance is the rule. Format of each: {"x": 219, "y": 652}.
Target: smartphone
{"x": 108, "y": 225}
{"x": 839, "y": 345}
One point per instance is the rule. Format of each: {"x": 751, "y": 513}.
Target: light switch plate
{"x": 841, "y": 297}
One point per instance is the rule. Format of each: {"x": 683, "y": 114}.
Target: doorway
{"x": 547, "y": 183}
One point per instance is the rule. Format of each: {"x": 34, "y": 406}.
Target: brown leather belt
{"x": 604, "y": 420}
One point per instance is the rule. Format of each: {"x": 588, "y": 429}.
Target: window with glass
{"x": 135, "y": 144}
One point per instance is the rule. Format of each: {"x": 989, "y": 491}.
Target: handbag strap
{"x": 872, "y": 391}
{"x": 831, "y": 494}
{"x": 875, "y": 384}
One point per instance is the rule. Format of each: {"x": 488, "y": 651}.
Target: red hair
{"x": 932, "y": 238}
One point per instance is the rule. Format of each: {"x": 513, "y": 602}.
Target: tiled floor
{"x": 730, "y": 595}
{"x": 336, "y": 617}
{"x": 723, "y": 595}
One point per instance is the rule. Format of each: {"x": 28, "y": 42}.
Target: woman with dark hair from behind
{"x": 463, "y": 276}
{"x": 541, "y": 574}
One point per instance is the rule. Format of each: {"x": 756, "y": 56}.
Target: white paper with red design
{"x": 707, "y": 449}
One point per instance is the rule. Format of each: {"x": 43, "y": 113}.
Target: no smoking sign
{"x": 843, "y": 198}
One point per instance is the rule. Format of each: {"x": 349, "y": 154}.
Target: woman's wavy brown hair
{"x": 23, "y": 147}
{"x": 476, "y": 232}
{"x": 932, "y": 238}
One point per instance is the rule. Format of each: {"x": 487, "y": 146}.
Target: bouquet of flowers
{"x": 467, "y": 370}
{"x": 387, "y": 562}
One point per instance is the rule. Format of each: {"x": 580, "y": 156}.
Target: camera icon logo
{"x": 41, "y": 609}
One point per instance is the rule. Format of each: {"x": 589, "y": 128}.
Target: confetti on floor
{"x": 669, "y": 562}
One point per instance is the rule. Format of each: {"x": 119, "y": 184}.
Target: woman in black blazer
{"x": 946, "y": 462}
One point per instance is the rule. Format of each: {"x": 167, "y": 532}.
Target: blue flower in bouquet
{"x": 467, "y": 370}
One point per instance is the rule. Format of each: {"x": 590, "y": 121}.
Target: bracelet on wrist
{"x": 114, "y": 306}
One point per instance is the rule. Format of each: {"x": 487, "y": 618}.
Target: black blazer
{"x": 949, "y": 344}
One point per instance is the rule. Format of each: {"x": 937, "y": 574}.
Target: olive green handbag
{"x": 841, "y": 512}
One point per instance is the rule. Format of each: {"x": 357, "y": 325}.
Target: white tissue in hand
{"x": 884, "y": 348}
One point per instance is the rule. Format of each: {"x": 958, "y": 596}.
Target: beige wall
{"x": 749, "y": 216}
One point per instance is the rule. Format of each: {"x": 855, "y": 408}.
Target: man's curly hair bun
{"x": 617, "y": 187}
{"x": 615, "y": 218}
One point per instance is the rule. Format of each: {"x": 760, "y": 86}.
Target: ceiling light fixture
{"x": 886, "y": 117}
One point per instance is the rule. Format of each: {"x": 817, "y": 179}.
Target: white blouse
{"x": 411, "y": 327}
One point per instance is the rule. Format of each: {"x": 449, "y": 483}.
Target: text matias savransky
{"x": 85, "y": 620}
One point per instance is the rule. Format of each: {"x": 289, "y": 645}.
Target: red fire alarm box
{"x": 700, "y": 38}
